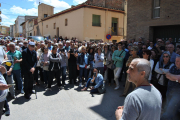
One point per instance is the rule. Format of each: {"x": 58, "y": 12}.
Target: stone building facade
{"x": 151, "y": 19}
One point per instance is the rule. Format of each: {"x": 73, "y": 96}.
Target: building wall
{"x": 74, "y": 27}
{"x": 117, "y": 4}
{"x": 94, "y": 32}
{"x": 7, "y": 31}
{"x": 14, "y": 30}
{"x": 140, "y": 17}
{"x": 44, "y": 9}
{"x": 11, "y": 31}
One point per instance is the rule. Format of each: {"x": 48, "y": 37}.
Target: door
{"x": 166, "y": 32}
{"x": 57, "y": 32}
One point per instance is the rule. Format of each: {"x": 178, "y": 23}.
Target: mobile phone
{"x": 94, "y": 74}
{"x": 11, "y": 85}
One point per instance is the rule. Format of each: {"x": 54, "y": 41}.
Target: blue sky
{"x": 10, "y": 9}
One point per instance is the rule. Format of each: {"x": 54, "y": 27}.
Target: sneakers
{"x": 22, "y": 91}
{"x": 49, "y": 89}
{"x": 116, "y": 88}
{"x": 80, "y": 84}
{"x": 7, "y": 113}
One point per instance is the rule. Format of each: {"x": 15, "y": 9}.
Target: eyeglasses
{"x": 159, "y": 41}
{"x": 132, "y": 50}
{"x": 144, "y": 53}
{"x": 25, "y": 43}
{"x": 143, "y": 48}
{"x": 165, "y": 56}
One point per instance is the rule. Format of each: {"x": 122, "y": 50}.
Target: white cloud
{"x": 21, "y": 11}
{"x": 4, "y": 16}
{"x": 78, "y": 1}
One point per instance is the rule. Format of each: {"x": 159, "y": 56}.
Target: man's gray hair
{"x": 143, "y": 65}
{"x": 11, "y": 43}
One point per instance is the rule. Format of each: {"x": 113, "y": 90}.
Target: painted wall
{"x": 95, "y": 32}
{"x": 74, "y": 27}
{"x": 80, "y": 25}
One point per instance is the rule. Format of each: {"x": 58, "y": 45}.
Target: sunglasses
{"x": 25, "y": 43}
{"x": 143, "y": 48}
{"x": 165, "y": 56}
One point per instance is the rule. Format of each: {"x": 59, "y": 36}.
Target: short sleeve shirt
{"x": 15, "y": 55}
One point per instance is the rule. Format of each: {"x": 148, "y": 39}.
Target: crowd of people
{"x": 93, "y": 63}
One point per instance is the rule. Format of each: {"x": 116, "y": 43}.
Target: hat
{"x": 32, "y": 43}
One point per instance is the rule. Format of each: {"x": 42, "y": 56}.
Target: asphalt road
{"x": 66, "y": 104}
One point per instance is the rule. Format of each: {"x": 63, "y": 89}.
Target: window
{"x": 54, "y": 25}
{"x": 66, "y": 22}
{"x": 96, "y": 20}
{"x": 45, "y": 15}
{"x": 46, "y": 26}
{"x": 114, "y": 26}
{"x": 156, "y": 9}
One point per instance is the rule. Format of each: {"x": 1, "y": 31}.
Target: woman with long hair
{"x": 44, "y": 61}
{"x": 162, "y": 67}
{"x": 99, "y": 58}
{"x": 90, "y": 61}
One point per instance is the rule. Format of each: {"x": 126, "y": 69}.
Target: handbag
{"x": 155, "y": 80}
{"x": 113, "y": 67}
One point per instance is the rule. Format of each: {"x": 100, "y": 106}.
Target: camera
{"x": 62, "y": 50}
{"x": 71, "y": 51}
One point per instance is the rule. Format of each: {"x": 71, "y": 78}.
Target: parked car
{"x": 36, "y": 38}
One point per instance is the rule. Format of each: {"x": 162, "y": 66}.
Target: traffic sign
{"x": 108, "y": 36}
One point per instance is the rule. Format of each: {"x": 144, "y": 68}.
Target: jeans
{"x": 56, "y": 74}
{"x": 117, "y": 72}
{"x": 87, "y": 85}
{"x": 63, "y": 73}
{"x": 9, "y": 80}
{"x": 46, "y": 76}
{"x": 1, "y": 108}
{"x": 6, "y": 105}
{"x": 18, "y": 79}
{"x": 172, "y": 102}
{"x": 81, "y": 71}
{"x": 101, "y": 69}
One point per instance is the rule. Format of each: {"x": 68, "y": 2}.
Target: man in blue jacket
{"x": 29, "y": 61}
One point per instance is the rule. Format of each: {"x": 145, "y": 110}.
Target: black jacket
{"x": 54, "y": 59}
{"x": 81, "y": 60}
{"x": 29, "y": 60}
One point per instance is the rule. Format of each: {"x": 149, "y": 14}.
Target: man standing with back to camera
{"x": 29, "y": 57}
{"x": 144, "y": 103}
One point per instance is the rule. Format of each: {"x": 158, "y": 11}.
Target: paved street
{"x": 67, "y": 104}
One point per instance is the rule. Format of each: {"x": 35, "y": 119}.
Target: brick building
{"x": 115, "y": 4}
{"x": 153, "y": 19}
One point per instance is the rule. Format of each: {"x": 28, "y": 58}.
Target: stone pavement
{"x": 66, "y": 104}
